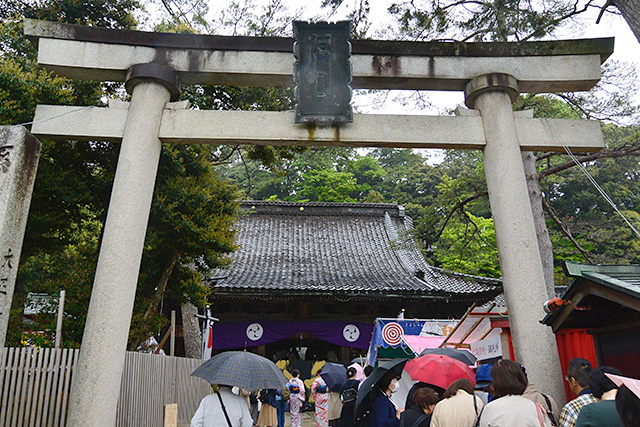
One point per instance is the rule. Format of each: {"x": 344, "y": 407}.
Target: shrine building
{"x": 309, "y": 280}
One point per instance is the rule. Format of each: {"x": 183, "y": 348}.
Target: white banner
{"x": 207, "y": 337}
{"x": 488, "y": 348}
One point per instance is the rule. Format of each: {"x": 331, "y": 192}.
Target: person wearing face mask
{"x": 385, "y": 412}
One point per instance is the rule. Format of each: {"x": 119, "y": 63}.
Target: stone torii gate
{"x": 153, "y": 65}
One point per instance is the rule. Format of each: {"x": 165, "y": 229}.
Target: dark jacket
{"x": 384, "y": 412}
{"x": 411, "y": 415}
{"x": 268, "y": 396}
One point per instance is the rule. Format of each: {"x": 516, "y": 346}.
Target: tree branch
{"x": 459, "y": 205}
{"x": 565, "y": 230}
{"x": 246, "y": 169}
{"x": 617, "y": 152}
{"x": 571, "y": 14}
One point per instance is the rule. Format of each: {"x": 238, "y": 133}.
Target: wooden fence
{"x": 35, "y": 385}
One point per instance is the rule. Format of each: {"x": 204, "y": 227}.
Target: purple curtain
{"x": 258, "y": 332}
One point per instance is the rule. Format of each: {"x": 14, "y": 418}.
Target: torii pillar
{"x": 104, "y": 344}
{"x": 534, "y": 344}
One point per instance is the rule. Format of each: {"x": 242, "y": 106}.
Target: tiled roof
{"x": 342, "y": 248}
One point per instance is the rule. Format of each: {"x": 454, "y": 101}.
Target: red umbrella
{"x": 438, "y": 370}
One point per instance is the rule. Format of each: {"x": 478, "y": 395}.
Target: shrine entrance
{"x": 153, "y": 67}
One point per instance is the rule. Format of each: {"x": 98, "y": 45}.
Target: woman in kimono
{"x": 296, "y": 388}
{"x": 320, "y": 394}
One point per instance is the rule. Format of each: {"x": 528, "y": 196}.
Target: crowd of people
{"x": 501, "y": 397}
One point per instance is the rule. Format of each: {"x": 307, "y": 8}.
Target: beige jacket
{"x": 532, "y": 393}
{"x": 456, "y": 411}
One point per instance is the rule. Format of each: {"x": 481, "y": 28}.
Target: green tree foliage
{"x": 191, "y": 223}
{"x": 469, "y": 246}
{"x": 493, "y": 20}
{"x": 73, "y": 180}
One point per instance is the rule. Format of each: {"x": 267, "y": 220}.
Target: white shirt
{"x": 210, "y": 414}
{"x": 511, "y": 411}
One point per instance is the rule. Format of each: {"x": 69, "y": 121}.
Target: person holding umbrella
{"x": 460, "y": 406}
{"x": 377, "y": 388}
{"x": 222, "y": 405}
{"x": 385, "y": 412}
{"x": 334, "y": 375}
{"x": 241, "y": 369}
{"x": 268, "y": 413}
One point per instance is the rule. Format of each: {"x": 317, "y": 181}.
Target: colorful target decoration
{"x": 392, "y": 333}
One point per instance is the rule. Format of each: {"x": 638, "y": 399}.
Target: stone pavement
{"x": 307, "y": 419}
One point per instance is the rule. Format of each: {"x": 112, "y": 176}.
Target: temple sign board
{"x": 154, "y": 65}
{"x": 322, "y": 72}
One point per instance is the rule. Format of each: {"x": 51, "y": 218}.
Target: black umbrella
{"x": 462, "y": 355}
{"x": 334, "y": 374}
{"x": 243, "y": 369}
{"x": 365, "y": 393}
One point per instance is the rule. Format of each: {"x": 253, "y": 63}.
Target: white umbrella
{"x": 404, "y": 385}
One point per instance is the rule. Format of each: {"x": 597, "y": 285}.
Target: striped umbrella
{"x": 242, "y": 369}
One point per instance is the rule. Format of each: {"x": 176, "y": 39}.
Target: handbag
{"x": 541, "y": 411}
{"x": 550, "y": 411}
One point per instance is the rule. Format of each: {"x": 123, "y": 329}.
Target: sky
{"x": 626, "y": 48}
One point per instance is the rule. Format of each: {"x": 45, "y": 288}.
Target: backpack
{"x": 286, "y": 394}
{"x": 349, "y": 395}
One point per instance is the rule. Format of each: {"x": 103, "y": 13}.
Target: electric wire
{"x": 600, "y": 189}
{"x": 53, "y": 117}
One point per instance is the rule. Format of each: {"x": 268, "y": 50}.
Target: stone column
{"x": 96, "y": 382}
{"x": 19, "y": 153}
{"x": 522, "y": 274}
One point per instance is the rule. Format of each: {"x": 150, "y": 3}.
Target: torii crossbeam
{"x": 152, "y": 66}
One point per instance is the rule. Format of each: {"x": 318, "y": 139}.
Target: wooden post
{"x": 171, "y": 415}
{"x": 172, "y": 342}
{"x": 59, "y": 321}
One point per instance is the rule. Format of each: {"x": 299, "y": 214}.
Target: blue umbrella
{"x": 242, "y": 369}
{"x": 334, "y": 374}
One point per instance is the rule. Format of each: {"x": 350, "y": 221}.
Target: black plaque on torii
{"x": 322, "y": 72}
